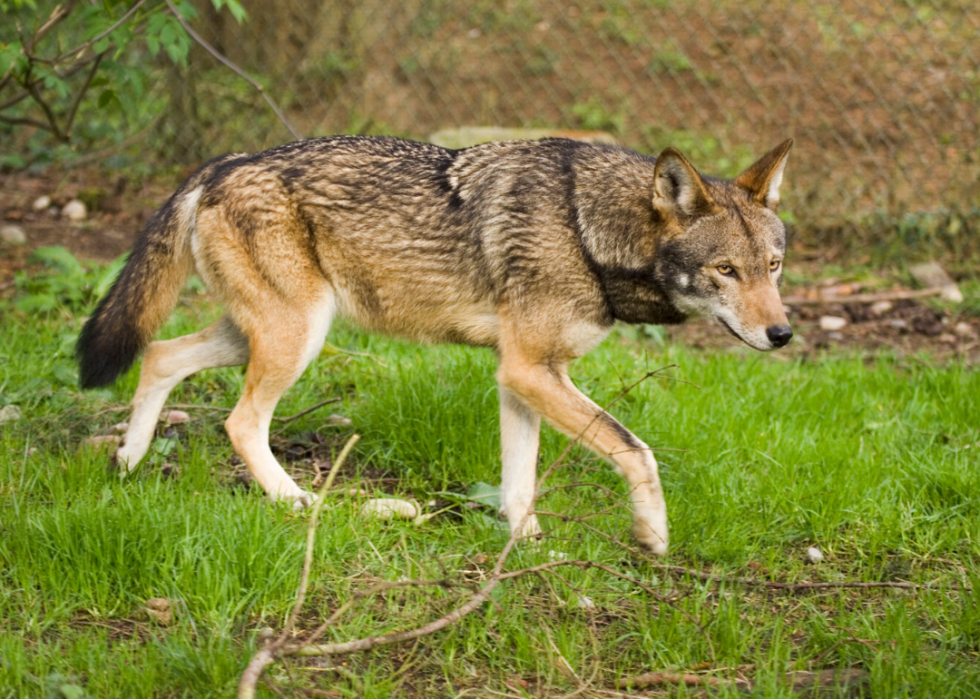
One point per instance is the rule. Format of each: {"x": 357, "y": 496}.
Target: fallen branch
{"x": 246, "y": 688}
{"x": 267, "y": 654}
{"x": 656, "y": 679}
{"x": 707, "y": 577}
{"x": 800, "y": 681}
{"x": 862, "y": 298}
{"x": 309, "y": 410}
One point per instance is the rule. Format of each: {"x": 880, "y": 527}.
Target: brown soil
{"x": 117, "y": 211}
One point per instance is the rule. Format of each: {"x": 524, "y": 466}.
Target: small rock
{"x": 585, "y": 602}
{"x": 74, "y": 210}
{"x": 813, "y": 555}
{"x": 932, "y": 275}
{"x": 174, "y": 417}
{"x": 266, "y": 632}
{"x": 160, "y": 610}
{"x": 13, "y": 235}
{"x": 951, "y": 293}
{"x": 898, "y": 324}
{"x": 9, "y": 413}
{"x": 963, "y": 329}
{"x": 41, "y": 203}
{"x": 881, "y": 307}
{"x": 832, "y": 322}
{"x": 836, "y": 336}
{"x": 389, "y": 508}
{"x": 102, "y": 441}
{"x": 120, "y": 427}
{"x": 948, "y": 338}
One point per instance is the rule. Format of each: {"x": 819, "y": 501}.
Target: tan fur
{"x": 533, "y": 249}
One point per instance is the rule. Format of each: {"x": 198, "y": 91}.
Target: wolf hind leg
{"x": 520, "y": 433}
{"x": 281, "y": 348}
{"x": 166, "y": 364}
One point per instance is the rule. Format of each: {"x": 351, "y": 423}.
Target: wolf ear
{"x": 678, "y": 188}
{"x": 762, "y": 180}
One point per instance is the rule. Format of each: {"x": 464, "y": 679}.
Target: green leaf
{"x": 71, "y": 691}
{"x": 57, "y": 257}
{"x": 107, "y": 97}
{"x": 35, "y": 302}
{"x": 234, "y": 7}
{"x": 109, "y": 275}
{"x": 186, "y": 9}
{"x": 65, "y": 375}
{"x": 162, "y": 448}
{"x": 66, "y": 345}
{"x": 489, "y": 522}
{"x": 485, "y": 494}
{"x": 122, "y": 36}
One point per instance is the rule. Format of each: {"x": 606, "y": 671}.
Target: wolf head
{"x": 723, "y": 245}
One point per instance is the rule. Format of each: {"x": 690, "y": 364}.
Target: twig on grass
{"x": 656, "y": 679}
{"x": 246, "y": 688}
{"x": 309, "y": 410}
{"x": 268, "y": 653}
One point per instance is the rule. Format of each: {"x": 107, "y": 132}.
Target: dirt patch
{"x": 117, "y": 210}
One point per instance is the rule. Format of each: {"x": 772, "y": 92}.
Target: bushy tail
{"x": 143, "y": 295}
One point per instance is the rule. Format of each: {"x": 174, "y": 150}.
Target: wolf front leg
{"x": 550, "y": 392}
{"x": 520, "y": 430}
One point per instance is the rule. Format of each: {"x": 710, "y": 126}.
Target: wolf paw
{"x": 531, "y": 530}
{"x": 302, "y": 500}
{"x": 120, "y": 461}
{"x": 653, "y": 541}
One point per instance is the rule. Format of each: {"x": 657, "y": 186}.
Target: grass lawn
{"x": 872, "y": 460}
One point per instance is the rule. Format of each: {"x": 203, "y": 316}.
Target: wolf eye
{"x": 727, "y": 270}
{"x": 774, "y": 265}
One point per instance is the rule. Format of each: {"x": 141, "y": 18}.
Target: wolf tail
{"x": 146, "y": 290}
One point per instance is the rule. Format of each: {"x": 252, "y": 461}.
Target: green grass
{"x": 873, "y": 460}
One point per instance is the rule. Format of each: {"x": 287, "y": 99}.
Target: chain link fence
{"x": 881, "y": 96}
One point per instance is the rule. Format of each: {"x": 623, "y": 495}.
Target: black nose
{"x": 779, "y": 335}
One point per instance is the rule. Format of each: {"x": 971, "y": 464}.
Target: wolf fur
{"x": 533, "y": 249}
